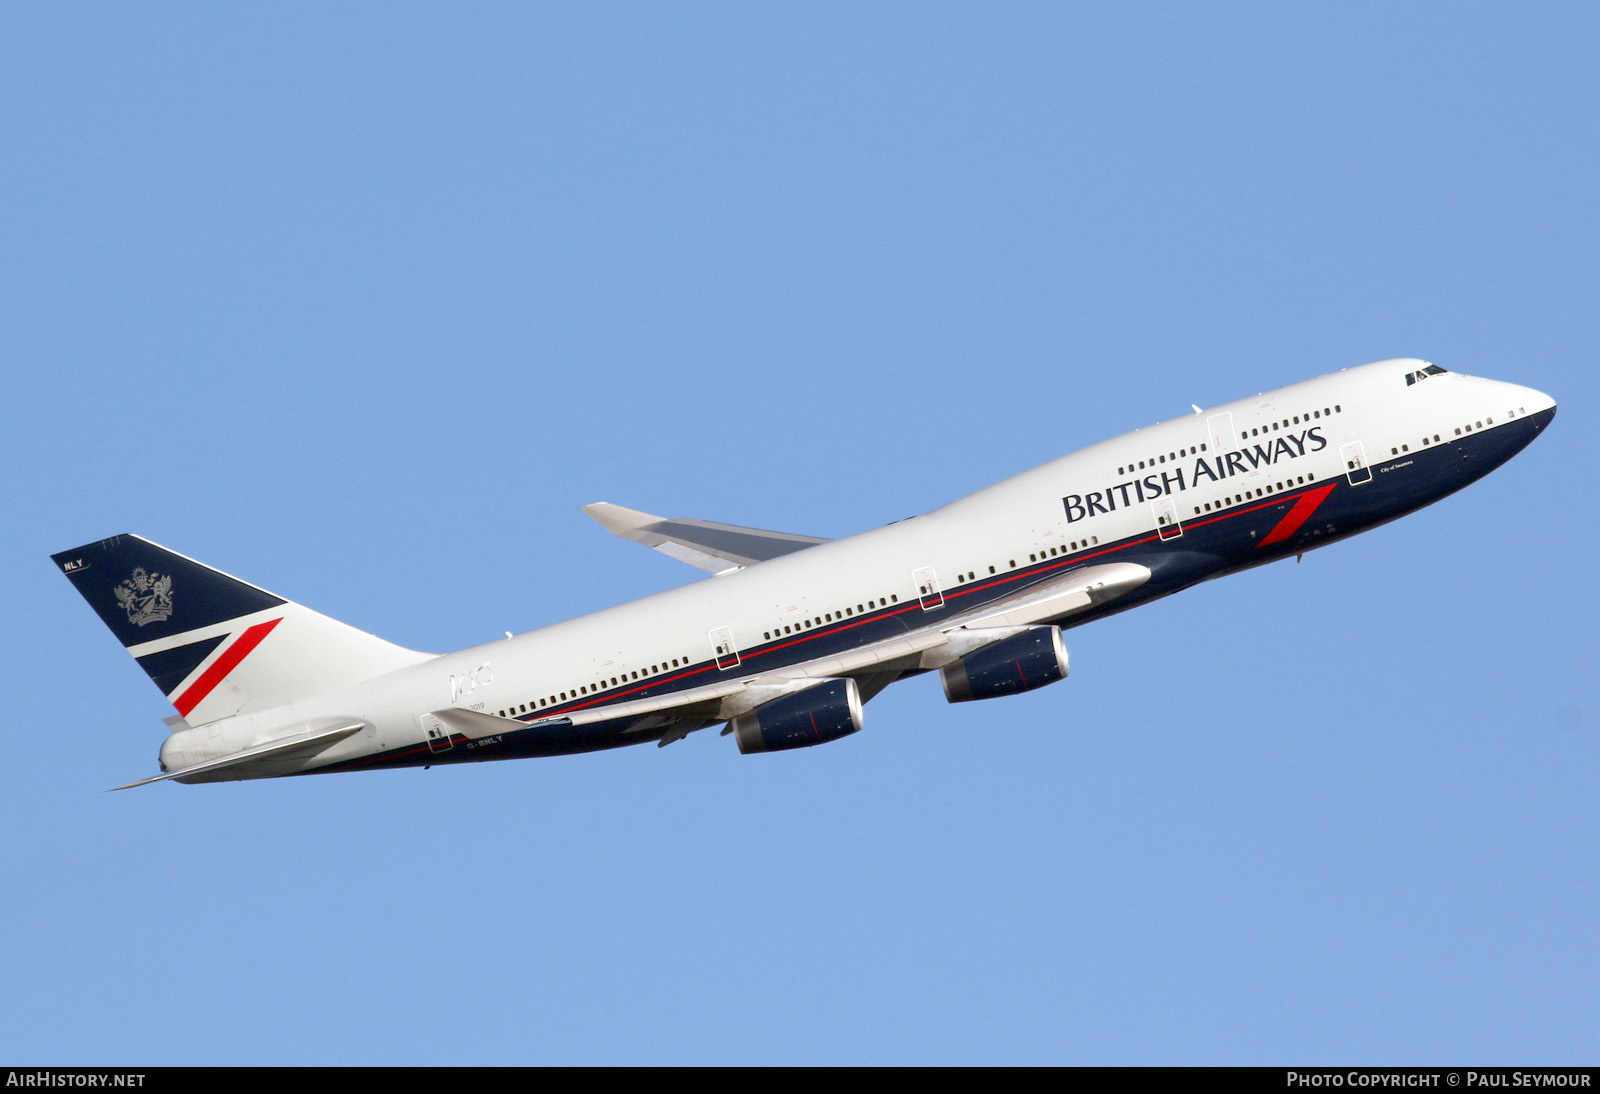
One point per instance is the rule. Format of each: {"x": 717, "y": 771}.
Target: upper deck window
{"x": 1423, "y": 374}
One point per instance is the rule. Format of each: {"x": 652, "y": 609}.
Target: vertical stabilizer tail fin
{"x": 215, "y": 645}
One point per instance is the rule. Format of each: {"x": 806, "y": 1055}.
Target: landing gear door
{"x": 927, "y": 582}
{"x": 1355, "y": 463}
{"x": 1167, "y": 524}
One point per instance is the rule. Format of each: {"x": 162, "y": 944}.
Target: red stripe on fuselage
{"x": 1030, "y": 573}
{"x": 1295, "y": 517}
{"x": 223, "y": 665}
{"x": 1310, "y": 500}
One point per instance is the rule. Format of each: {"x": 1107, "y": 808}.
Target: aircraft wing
{"x": 874, "y": 666}
{"x": 1064, "y": 595}
{"x": 715, "y": 548}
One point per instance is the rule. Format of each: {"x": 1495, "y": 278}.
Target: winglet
{"x": 619, "y": 521}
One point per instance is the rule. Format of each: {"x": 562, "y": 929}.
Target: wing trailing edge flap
{"x": 304, "y": 743}
{"x": 931, "y": 647}
{"x": 715, "y": 548}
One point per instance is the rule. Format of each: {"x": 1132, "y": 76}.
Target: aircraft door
{"x": 926, "y": 580}
{"x": 1168, "y": 526}
{"x": 1220, "y": 428}
{"x": 437, "y": 734}
{"x": 1356, "y": 470}
{"x": 722, "y": 647}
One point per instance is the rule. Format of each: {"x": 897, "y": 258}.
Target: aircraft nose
{"x": 1530, "y": 403}
{"x": 1524, "y": 402}
{"x": 1537, "y": 402}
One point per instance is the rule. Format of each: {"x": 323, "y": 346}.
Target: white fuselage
{"x": 1108, "y": 497}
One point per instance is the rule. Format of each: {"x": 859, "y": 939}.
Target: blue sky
{"x": 362, "y": 303}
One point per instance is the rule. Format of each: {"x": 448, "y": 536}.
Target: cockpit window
{"x": 1423, "y": 374}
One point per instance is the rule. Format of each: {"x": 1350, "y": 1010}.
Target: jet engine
{"x": 812, "y": 716}
{"x": 1012, "y": 665}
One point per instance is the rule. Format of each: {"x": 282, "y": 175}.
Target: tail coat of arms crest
{"x": 146, "y": 597}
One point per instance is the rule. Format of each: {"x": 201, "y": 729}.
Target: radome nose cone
{"x": 1542, "y": 409}
{"x": 1535, "y": 402}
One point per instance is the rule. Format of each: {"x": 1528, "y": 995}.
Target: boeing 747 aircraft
{"x": 792, "y": 634}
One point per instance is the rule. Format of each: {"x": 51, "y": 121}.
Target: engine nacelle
{"x": 1025, "y": 661}
{"x": 816, "y": 715}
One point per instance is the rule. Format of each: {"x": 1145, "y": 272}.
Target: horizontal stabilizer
{"x": 715, "y": 548}
{"x": 309, "y": 741}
